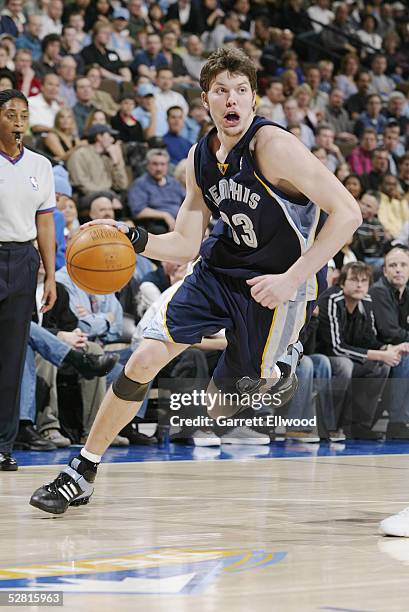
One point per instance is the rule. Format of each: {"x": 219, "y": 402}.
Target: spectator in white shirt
{"x": 321, "y": 12}
{"x": 165, "y": 97}
{"x": 51, "y": 21}
{"x": 273, "y": 98}
{"x": 44, "y": 107}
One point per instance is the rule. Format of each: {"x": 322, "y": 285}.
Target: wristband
{"x": 138, "y": 237}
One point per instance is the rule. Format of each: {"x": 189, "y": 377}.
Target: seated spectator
{"x": 360, "y": 158}
{"x": 368, "y": 36}
{"x": 326, "y": 68}
{"x": 273, "y": 99}
{"x": 369, "y": 239}
{"x": 392, "y": 144}
{"x": 137, "y": 17}
{"x": 147, "y": 61}
{"x": 380, "y": 165}
{"x": 44, "y": 107}
{"x": 194, "y": 58}
{"x": 165, "y": 96}
{"x": 345, "y": 79}
{"x": 98, "y": 53}
{"x": 174, "y": 60}
{"x": 343, "y": 171}
{"x": 189, "y": 14}
{"x": 360, "y": 362}
{"x": 71, "y": 46}
{"x": 6, "y": 82}
{"x": 128, "y": 128}
{"x": 69, "y": 209}
{"x": 321, "y": 13}
{"x": 62, "y": 188}
{"x": 13, "y": 19}
{"x": 102, "y": 205}
{"x": 337, "y": 38}
{"x": 404, "y": 174}
{"x": 155, "y": 197}
{"x": 100, "y": 99}
{"x": 394, "y": 209}
{"x": 292, "y": 117}
{"x": 380, "y": 82}
{"x": 156, "y": 17}
{"x": 84, "y": 105}
{"x": 230, "y": 28}
{"x": 353, "y": 183}
{"x": 395, "y": 111}
{"x": 303, "y": 97}
{"x": 100, "y": 164}
{"x": 58, "y": 348}
{"x": 26, "y": 81}
{"x": 67, "y": 71}
{"x": 356, "y": 103}
{"x": 98, "y": 11}
{"x": 177, "y": 146}
{"x": 51, "y": 47}
{"x": 51, "y": 19}
{"x": 120, "y": 41}
{"x": 337, "y": 117}
{"x": 319, "y": 99}
{"x": 152, "y": 120}
{"x": 194, "y": 122}
{"x": 30, "y": 40}
{"x": 372, "y": 117}
{"x": 290, "y": 82}
{"x": 62, "y": 140}
{"x": 76, "y": 20}
{"x": 325, "y": 137}
{"x": 390, "y": 300}
{"x": 289, "y": 61}
{"x": 96, "y": 117}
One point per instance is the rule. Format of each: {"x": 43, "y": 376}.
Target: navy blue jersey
{"x": 259, "y": 230}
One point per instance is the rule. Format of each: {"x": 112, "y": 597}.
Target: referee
{"x": 27, "y": 201}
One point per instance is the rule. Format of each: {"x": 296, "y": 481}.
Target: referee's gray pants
{"x": 18, "y": 280}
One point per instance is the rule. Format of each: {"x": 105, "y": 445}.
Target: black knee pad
{"x": 129, "y": 390}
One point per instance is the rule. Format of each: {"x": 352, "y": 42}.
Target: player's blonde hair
{"x": 235, "y": 61}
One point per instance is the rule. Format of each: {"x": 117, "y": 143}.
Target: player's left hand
{"x": 49, "y": 295}
{"x": 271, "y": 290}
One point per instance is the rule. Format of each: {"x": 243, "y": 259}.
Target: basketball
{"x": 100, "y": 259}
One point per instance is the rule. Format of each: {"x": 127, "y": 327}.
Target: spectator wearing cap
{"x": 51, "y": 47}
{"x": 382, "y": 84}
{"x": 371, "y": 117}
{"x": 128, "y": 128}
{"x": 98, "y": 53}
{"x": 26, "y": 81}
{"x": 51, "y": 20}
{"x": 30, "y": 39}
{"x": 44, "y": 107}
{"x": 152, "y": 120}
{"x": 84, "y": 105}
{"x": 177, "y": 146}
{"x": 62, "y": 188}
{"x": 155, "y": 197}
{"x": 165, "y": 96}
{"x": 119, "y": 40}
{"x": 102, "y": 100}
{"x": 394, "y": 111}
{"x": 100, "y": 164}
{"x": 148, "y": 60}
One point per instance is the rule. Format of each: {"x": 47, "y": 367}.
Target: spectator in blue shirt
{"x": 152, "y": 120}
{"x": 177, "y": 146}
{"x": 147, "y": 61}
{"x": 155, "y": 198}
{"x": 372, "y": 117}
{"x": 30, "y": 39}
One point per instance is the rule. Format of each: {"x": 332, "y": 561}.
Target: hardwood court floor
{"x": 290, "y": 534}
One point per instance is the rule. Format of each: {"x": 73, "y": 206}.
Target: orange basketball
{"x": 100, "y": 259}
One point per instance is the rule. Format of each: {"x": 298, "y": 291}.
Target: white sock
{"x": 90, "y": 456}
{"x": 278, "y": 374}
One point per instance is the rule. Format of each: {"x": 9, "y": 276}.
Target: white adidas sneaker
{"x": 396, "y": 525}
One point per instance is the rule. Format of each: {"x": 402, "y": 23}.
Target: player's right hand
{"x": 138, "y": 236}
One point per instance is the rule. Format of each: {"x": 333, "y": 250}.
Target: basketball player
{"x": 258, "y": 273}
{"x": 27, "y": 201}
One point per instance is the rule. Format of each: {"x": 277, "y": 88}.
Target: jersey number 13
{"x": 248, "y": 236}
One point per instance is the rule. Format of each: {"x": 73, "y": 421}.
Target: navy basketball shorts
{"x": 207, "y": 302}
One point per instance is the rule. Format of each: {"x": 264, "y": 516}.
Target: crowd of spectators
{"x": 114, "y": 98}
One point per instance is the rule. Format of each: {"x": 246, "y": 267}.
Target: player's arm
{"x": 295, "y": 164}
{"x": 183, "y": 243}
